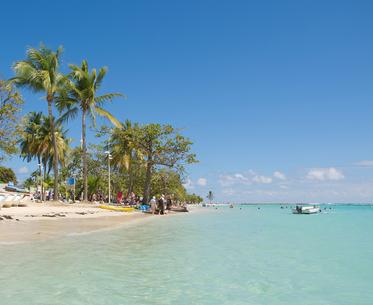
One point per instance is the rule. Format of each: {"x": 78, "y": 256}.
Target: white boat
{"x": 306, "y": 209}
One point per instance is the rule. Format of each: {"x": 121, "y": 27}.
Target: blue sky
{"x": 276, "y": 95}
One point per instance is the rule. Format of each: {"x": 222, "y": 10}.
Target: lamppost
{"x": 109, "y": 157}
{"x": 41, "y": 182}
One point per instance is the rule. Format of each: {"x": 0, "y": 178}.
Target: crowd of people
{"x": 156, "y": 205}
{"x": 164, "y": 203}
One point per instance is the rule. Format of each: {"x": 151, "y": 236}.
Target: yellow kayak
{"x": 118, "y": 209}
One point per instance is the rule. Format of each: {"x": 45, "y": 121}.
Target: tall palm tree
{"x": 40, "y": 73}
{"x": 80, "y": 93}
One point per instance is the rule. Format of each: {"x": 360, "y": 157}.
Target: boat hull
{"x": 307, "y": 210}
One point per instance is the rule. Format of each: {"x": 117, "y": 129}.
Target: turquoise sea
{"x": 248, "y": 256}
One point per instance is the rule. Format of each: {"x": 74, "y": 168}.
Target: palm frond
{"x": 107, "y": 97}
{"x": 101, "y": 74}
{"x": 68, "y": 115}
{"x": 108, "y": 115}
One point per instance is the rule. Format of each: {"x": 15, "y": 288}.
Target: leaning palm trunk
{"x": 84, "y": 157}
{"x": 55, "y": 149}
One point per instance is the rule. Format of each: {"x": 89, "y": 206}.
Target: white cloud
{"x": 279, "y": 175}
{"x": 188, "y": 184}
{"x": 262, "y": 179}
{"x": 365, "y": 163}
{"x": 202, "y": 181}
{"x": 240, "y": 177}
{"x": 228, "y": 180}
{"x": 247, "y": 178}
{"x": 324, "y": 174}
{"x": 23, "y": 170}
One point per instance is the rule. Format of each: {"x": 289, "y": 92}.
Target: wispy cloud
{"x": 248, "y": 178}
{"x": 202, "y": 181}
{"x": 262, "y": 179}
{"x": 365, "y": 163}
{"x": 279, "y": 175}
{"x": 325, "y": 174}
{"x": 229, "y": 180}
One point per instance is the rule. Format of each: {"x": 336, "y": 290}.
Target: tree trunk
{"x": 130, "y": 178}
{"x": 44, "y": 178}
{"x": 84, "y": 156}
{"x": 55, "y": 150}
{"x": 148, "y": 179}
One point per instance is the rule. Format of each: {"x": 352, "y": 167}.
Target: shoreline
{"x": 39, "y": 222}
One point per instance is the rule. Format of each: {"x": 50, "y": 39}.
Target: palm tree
{"x": 210, "y": 196}
{"x": 80, "y": 93}
{"x": 36, "y": 141}
{"x": 40, "y": 73}
{"x": 29, "y": 140}
{"x": 125, "y": 153}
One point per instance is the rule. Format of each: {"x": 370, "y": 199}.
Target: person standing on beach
{"x": 169, "y": 203}
{"x": 119, "y": 197}
{"x": 153, "y": 205}
{"x": 161, "y": 205}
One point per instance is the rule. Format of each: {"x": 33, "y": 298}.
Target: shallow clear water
{"x": 224, "y": 256}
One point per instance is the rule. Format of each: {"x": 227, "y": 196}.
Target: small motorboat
{"x": 179, "y": 209}
{"x": 306, "y": 209}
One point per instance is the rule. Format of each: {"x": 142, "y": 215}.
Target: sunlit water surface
{"x": 227, "y": 256}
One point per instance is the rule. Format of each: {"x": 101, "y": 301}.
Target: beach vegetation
{"x": 10, "y": 106}
{"x": 79, "y": 94}
{"x": 160, "y": 146}
{"x": 145, "y": 159}
{"x": 36, "y": 142}
{"x": 7, "y": 175}
{"x": 40, "y": 73}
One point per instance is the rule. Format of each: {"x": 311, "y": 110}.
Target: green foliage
{"x": 156, "y": 146}
{"x": 80, "y": 93}
{"x": 166, "y": 181}
{"x": 10, "y": 105}
{"x": 7, "y": 175}
{"x": 147, "y": 159}
{"x": 36, "y": 141}
{"x": 193, "y": 199}
{"x": 29, "y": 183}
{"x": 40, "y": 73}
{"x": 162, "y": 145}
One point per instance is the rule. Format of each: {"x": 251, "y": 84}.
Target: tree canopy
{"x": 10, "y": 106}
{"x": 7, "y": 175}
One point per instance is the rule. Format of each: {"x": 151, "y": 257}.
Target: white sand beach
{"x": 38, "y": 221}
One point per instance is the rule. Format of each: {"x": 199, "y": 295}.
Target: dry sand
{"x": 34, "y": 222}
